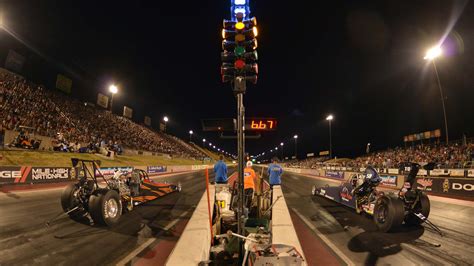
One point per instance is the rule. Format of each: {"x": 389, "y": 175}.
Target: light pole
{"x": 295, "y": 137}
{"x": 165, "y": 119}
{"x": 281, "y": 150}
{"x": 190, "y": 135}
{"x": 113, "y": 90}
{"x": 431, "y": 55}
{"x": 329, "y": 119}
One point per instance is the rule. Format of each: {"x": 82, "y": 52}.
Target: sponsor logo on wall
{"x": 14, "y": 174}
{"x": 109, "y": 171}
{"x": 335, "y": 174}
{"x": 389, "y": 180}
{"x": 156, "y": 169}
{"x": 425, "y": 184}
{"x": 52, "y": 173}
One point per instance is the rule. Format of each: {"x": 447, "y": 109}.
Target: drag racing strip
{"x": 150, "y": 231}
{"x": 354, "y": 239}
{"x": 151, "y": 241}
{"x": 325, "y": 255}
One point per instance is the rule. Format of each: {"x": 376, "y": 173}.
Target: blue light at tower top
{"x": 239, "y": 6}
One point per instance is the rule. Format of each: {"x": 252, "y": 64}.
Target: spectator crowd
{"x": 76, "y": 126}
{"x": 455, "y": 155}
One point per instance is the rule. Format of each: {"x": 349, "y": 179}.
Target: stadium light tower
{"x": 165, "y": 119}
{"x": 113, "y": 90}
{"x": 433, "y": 53}
{"x": 329, "y": 118}
{"x": 295, "y": 137}
{"x": 190, "y": 135}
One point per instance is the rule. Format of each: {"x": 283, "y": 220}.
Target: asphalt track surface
{"x": 25, "y": 240}
{"x": 354, "y": 239}
{"x": 148, "y": 234}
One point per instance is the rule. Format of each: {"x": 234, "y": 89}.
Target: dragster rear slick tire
{"x": 69, "y": 202}
{"x": 423, "y": 207}
{"x": 105, "y": 207}
{"x": 389, "y": 213}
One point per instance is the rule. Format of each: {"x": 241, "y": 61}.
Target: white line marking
{"x": 326, "y": 240}
{"x": 147, "y": 243}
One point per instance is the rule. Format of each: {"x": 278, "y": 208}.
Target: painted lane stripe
{"x": 150, "y": 241}
{"x": 326, "y": 240}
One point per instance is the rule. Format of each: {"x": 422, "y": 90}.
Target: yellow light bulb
{"x": 255, "y": 31}
{"x": 223, "y": 33}
{"x": 239, "y": 25}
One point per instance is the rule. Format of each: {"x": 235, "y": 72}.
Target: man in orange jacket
{"x": 249, "y": 184}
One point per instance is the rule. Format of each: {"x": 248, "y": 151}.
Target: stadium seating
{"x": 51, "y": 113}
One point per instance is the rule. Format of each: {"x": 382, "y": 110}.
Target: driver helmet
{"x": 249, "y": 164}
{"x": 371, "y": 175}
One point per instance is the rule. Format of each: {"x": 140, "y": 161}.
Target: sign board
{"x": 127, "y": 112}
{"x": 14, "y": 61}
{"x": 310, "y": 155}
{"x": 323, "y": 153}
{"x": 102, "y": 100}
{"x": 64, "y": 83}
{"x": 147, "y": 121}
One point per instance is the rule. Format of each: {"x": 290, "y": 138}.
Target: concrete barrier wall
{"x": 283, "y": 230}
{"x": 194, "y": 243}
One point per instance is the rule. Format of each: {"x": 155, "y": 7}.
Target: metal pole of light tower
{"x": 239, "y": 89}
{"x": 330, "y": 140}
{"x": 442, "y": 102}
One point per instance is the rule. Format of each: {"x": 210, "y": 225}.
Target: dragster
{"x": 390, "y": 210}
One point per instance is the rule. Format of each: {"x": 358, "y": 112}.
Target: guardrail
{"x": 11, "y": 175}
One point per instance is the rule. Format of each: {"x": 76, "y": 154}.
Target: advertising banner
{"x": 425, "y": 184}
{"x": 335, "y": 174}
{"x": 310, "y": 154}
{"x": 127, "y": 112}
{"x": 14, "y": 174}
{"x": 422, "y": 172}
{"x": 439, "y": 172}
{"x": 147, "y": 121}
{"x": 109, "y": 171}
{"x": 50, "y": 174}
{"x": 449, "y": 186}
{"x": 323, "y": 153}
{"x": 102, "y": 100}
{"x": 393, "y": 171}
{"x": 456, "y": 172}
{"x": 14, "y": 61}
{"x": 64, "y": 83}
{"x": 389, "y": 180}
{"x": 156, "y": 169}
{"x": 36, "y": 175}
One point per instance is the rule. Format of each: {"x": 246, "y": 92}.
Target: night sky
{"x": 362, "y": 61}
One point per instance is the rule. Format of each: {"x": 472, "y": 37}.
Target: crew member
{"x": 274, "y": 172}
{"x": 249, "y": 184}
{"x": 220, "y": 169}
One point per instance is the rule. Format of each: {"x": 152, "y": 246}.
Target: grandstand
{"x": 456, "y": 155}
{"x": 84, "y": 127}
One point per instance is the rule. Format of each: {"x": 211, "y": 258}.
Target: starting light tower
{"x": 239, "y": 66}
{"x": 239, "y": 45}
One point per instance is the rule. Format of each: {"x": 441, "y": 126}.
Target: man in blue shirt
{"x": 220, "y": 169}
{"x": 274, "y": 172}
